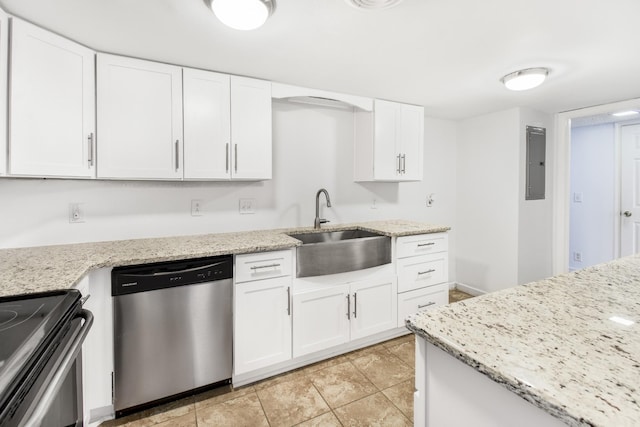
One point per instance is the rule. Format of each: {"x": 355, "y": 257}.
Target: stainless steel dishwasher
{"x": 172, "y": 329}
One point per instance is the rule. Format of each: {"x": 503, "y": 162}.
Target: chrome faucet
{"x": 318, "y": 220}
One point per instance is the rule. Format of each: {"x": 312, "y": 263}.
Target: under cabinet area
{"x": 51, "y": 105}
{"x": 262, "y": 311}
{"x": 389, "y": 142}
{"x": 422, "y": 266}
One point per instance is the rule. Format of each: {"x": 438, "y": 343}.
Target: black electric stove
{"x": 33, "y": 329}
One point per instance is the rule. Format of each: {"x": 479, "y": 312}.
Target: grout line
{"x": 394, "y": 405}
{"x": 262, "y": 407}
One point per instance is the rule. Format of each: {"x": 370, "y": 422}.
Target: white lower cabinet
{"x": 330, "y": 316}
{"x": 262, "y": 324}
{"x": 421, "y": 299}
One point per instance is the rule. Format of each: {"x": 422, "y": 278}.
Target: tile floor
{"x": 371, "y": 386}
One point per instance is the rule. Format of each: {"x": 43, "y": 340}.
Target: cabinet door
{"x": 374, "y": 307}
{"x": 387, "y": 128}
{"x": 320, "y": 319}
{"x": 250, "y": 128}
{"x": 262, "y": 324}
{"x": 412, "y": 142}
{"x": 207, "y": 126}
{"x": 51, "y": 108}
{"x": 140, "y": 119}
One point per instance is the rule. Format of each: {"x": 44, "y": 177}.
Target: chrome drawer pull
{"x": 355, "y": 305}
{"x": 426, "y": 272}
{"x": 256, "y": 267}
{"x": 349, "y": 306}
{"x": 426, "y": 305}
{"x": 426, "y": 244}
{"x": 289, "y": 301}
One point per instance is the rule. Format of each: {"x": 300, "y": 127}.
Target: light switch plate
{"x": 76, "y": 213}
{"x": 247, "y": 206}
{"x": 196, "y": 208}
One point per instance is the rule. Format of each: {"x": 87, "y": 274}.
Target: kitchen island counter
{"x": 45, "y": 268}
{"x": 569, "y": 345}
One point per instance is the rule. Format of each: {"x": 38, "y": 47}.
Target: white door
{"x": 412, "y": 124}
{"x": 630, "y": 190}
{"x": 207, "y": 125}
{"x": 4, "y": 48}
{"x": 374, "y": 306}
{"x": 262, "y": 324}
{"x": 320, "y": 319}
{"x": 140, "y": 119}
{"x": 251, "y": 128}
{"x": 52, "y": 104}
{"x": 387, "y": 132}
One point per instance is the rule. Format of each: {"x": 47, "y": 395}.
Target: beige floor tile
{"x": 383, "y": 369}
{"x": 405, "y": 351}
{"x": 292, "y": 402}
{"x": 220, "y": 395}
{"x": 188, "y": 420}
{"x": 156, "y": 415}
{"x": 243, "y": 411}
{"x": 374, "y": 410}
{"x": 324, "y": 420}
{"x": 341, "y": 384}
{"x": 367, "y": 351}
{"x": 401, "y": 395}
{"x": 278, "y": 379}
{"x": 324, "y": 364}
{"x": 456, "y": 295}
{"x": 394, "y": 342}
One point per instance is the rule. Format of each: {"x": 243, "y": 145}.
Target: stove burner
{"x": 9, "y": 317}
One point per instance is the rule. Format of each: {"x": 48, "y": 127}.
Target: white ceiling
{"x": 447, "y": 55}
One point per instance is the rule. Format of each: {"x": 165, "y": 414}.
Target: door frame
{"x": 562, "y": 178}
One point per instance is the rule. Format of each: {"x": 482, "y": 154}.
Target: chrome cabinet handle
{"x": 256, "y": 267}
{"x": 227, "y": 158}
{"x": 235, "y": 155}
{"x": 426, "y": 244}
{"x": 627, "y": 213}
{"x": 90, "y": 152}
{"x": 426, "y": 305}
{"x": 398, "y": 168}
{"x": 289, "y": 301}
{"x": 404, "y": 163}
{"x": 431, "y": 270}
{"x": 177, "y": 154}
{"x": 355, "y": 305}
{"x": 349, "y": 306}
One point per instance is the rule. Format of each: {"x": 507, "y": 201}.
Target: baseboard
{"x": 469, "y": 289}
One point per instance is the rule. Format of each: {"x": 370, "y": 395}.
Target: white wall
{"x": 487, "y": 193}
{"x": 313, "y": 148}
{"x": 535, "y": 216}
{"x": 593, "y": 174}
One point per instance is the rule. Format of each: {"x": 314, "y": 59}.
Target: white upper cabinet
{"x": 140, "y": 119}
{"x": 227, "y": 127}
{"x": 52, "y": 104}
{"x": 251, "y": 128}
{"x": 389, "y": 142}
{"x": 4, "y": 48}
{"x": 207, "y": 125}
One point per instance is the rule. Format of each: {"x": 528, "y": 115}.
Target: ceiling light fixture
{"x": 525, "y": 79}
{"x": 373, "y": 4}
{"x": 242, "y": 14}
{"x": 625, "y": 113}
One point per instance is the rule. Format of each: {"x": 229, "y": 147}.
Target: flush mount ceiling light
{"x": 525, "y": 79}
{"x": 242, "y": 14}
{"x": 372, "y": 4}
{"x": 625, "y": 113}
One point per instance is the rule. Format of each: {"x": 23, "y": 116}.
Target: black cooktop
{"x": 28, "y": 326}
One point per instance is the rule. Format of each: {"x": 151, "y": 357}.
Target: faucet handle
{"x": 324, "y": 221}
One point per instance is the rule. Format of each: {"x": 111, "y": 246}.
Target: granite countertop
{"x": 44, "y": 268}
{"x": 554, "y": 342}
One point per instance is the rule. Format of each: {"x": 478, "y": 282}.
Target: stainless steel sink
{"x": 332, "y": 252}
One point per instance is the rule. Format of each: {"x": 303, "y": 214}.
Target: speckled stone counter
{"x": 554, "y": 342}
{"x": 35, "y": 269}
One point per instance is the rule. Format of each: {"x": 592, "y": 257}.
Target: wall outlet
{"x": 374, "y": 204}
{"x": 247, "y": 206}
{"x": 431, "y": 198}
{"x": 196, "y": 208}
{"x": 577, "y": 256}
{"x": 76, "y": 213}
{"x": 577, "y": 197}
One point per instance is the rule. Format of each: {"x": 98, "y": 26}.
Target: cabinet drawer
{"x": 421, "y": 299}
{"x": 422, "y": 271}
{"x": 421, "y": 244}
{"x": 263, "y": 265}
